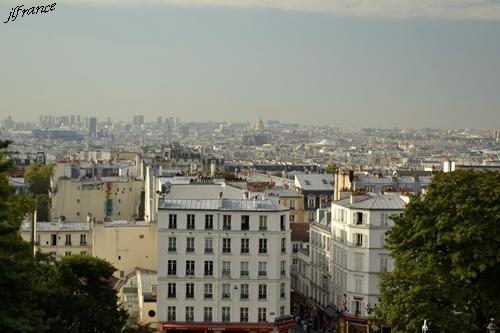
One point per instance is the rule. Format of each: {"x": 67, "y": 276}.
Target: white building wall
{"x": 273, "y": 258}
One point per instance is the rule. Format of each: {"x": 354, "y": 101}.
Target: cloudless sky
{"x": 214, "y": 63}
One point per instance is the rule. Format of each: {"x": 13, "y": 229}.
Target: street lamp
{"x": 492, "y": 327}
{"x": 375, "y": 328}
{"x": 425, "y": 328}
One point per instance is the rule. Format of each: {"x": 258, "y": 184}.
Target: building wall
{"x": 126, "y": 246}
{"x": 356, "y": 266}
{"x": 273, "y": 258}
{"x": 75, "y": 199}
{"x": 296, "y": 205}
{"x": 61, "y": 247}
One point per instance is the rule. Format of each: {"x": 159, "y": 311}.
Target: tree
{"x": 446, "y": 255}
{"x": 331, "y": 168}
{"x": 37, "y": 177}
{"x": 80, "y": 297}
{"x": 18, "y": 311}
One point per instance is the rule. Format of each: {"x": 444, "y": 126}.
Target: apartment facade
{"x": 223, "y": 265}
{"x": 358, "y": 228}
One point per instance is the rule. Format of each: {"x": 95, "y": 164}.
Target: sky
{"x": 358, "y": 63}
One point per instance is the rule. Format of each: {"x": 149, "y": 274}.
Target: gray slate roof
{"x": 270, "y": 204}
{"x": 318, "y": 182}
{"x": 374, "y": 201}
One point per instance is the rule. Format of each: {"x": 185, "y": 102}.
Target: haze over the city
{"x": 316, "y": 62}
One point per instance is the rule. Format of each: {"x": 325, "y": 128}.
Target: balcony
{"x": 189, "y": 319}
{"x": 244, "y": 296}
{"x": 226, "y": 318}
{"x": 282, "y": 295}
{"x": 262, "y": 273}
{"x": 226, "y": 295}
{"x": 209, "y": 273}
{"x": 171, "y": 295}
{"x": 243, "y": 273}
{"x": 171, "y": 318}
{"x": 172, "y": 249}
{"x": 226, "y": 272}
{"x": 189, "y": 249}
{"x": 262, "y": 251}
{"x": 245, "y": 250}
{"x": 283, "y": 272}
{"x": 172, "y": 273}
{"x": 226, "y": 250}
{"x": 283, "y": 250}
{"x": 190, "y": 295}
{"x": 83, "y": 243}
{"x": 207, "y": 296}
{"x": 207, "y": 319}
{"x": 209, "y": 250}
{"x": 190, "y": 273}
{"x": 262, "y": 296}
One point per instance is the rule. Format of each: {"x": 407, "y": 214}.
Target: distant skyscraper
{"x": 159, "y": 121}
{"x": 93, "y": 126}
{"x": 138, "y": 121}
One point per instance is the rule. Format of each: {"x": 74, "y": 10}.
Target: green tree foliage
{"x": 18, "y": 313}
{"x": 37, "y": 177}
{"x": 447, "y": 257}
{"x": 80, "y": 298}
{"x": 331, "y": 168}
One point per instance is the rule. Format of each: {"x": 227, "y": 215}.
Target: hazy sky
{"x": 361, "y": 63}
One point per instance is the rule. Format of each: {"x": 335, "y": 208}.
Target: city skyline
{"x": 232, "y": 63}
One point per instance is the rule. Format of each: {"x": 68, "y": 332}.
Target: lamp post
{"x": 425, "y": 328}
{"x": 492, "y": 327}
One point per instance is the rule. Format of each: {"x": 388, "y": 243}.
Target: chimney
{"x": 245, "y": 194}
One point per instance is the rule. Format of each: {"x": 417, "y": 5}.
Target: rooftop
{"x": 389, "y": 201}
{"x": 323, "y": 182}
{"x": 57, "y": 226}
{"x": 270, "y": 204}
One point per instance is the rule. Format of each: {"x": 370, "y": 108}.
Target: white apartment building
{"x": 223, "y": 265}
{"x": 359, "y": 224}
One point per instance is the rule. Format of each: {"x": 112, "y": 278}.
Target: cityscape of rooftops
{"x": 250, "y": 166}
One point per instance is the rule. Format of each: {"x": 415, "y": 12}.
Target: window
{"x": 244, "y": 291}
{"x": 83, "y": 239}
{"x": 311, "y": 202}
{"x": 358, "y": 239}
{"x": 226, "y": 222}
{"x": 208, "y": 290}
{"x": 244, "y": 315}
{"x": 356, "y": 305}
{"x": 189, "y": 313}
{"x": 207, "y": 314}
{"x": 262, "y": 268}
{"x": 384, "y": 263}
{"x": 283, "y": 245}
{"x": 263, "y": 222}
{"x": 226, "y": 268}
{"x": 226, "y": 245}
{"x": 172, "y": 221}
{"x": 382, "y": 240}
{"x": 172, "y": 244}
{"x": 171, "y": 290}
{"x": 172, "y": 267}
{"x": 53, "y": 239}
{"x": 83, "y": 253}
{"x": 67, "y": 253}
{"x": 209, "y": 222}
{"x": 384, "y": 221}
{"x": 245, "y": 245}
{"x": 244, "y": 268}
{"x": 262, "y": 315}
{"x": 245, "y": 222}
{"x": 189, "y": 290}
{"x": 190, "y": 244}
{"x": 358, "y": 280}
{"x": 292, "y": 204}
{"x": 358, "y": 261}
{"x": 282, "y": 290}
{"x": 68, "y": 240}
{"x": 292, "y": 218}
{"x": 226, "y": 290}
{"x": 311, "y": 216}
{"x": 358, "y": 218}
{"x": 209, "y": 245}
{"x": 209, "y": 268}
{"x": 190, "y": 221}
{"x": 189, "y": 267}
{"x": 262, "y": 291}
{"x": 282, "y": 310}
{"x": 283, "y": 267}
{"x": 226, "y": 314}
{"x": 283, "y": 222}
{"x": 171, "y": 313}
{"x": 262, "y": 245}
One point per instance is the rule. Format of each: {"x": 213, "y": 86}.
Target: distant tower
{"x": 260, "y": 125}
{"x": 93, "y": 126}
